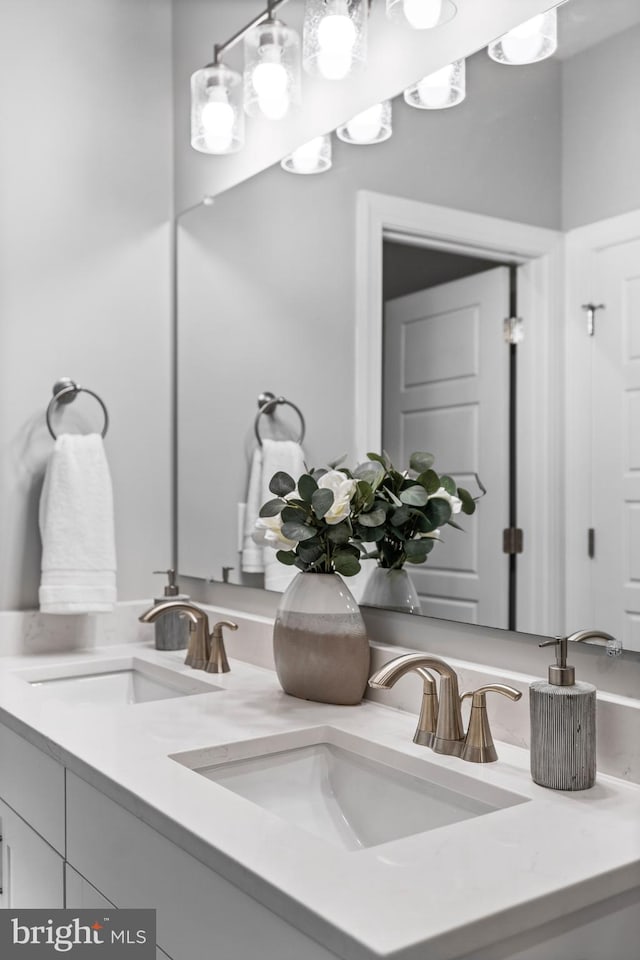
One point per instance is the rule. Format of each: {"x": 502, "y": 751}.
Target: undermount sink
{"x": 350, "y": 792}
{"x": 115, "y": 683}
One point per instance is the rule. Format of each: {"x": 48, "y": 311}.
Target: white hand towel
{"x": 77, "y": 528}
{"x": 252, "y": 553}
{"x": 275, "y": 455}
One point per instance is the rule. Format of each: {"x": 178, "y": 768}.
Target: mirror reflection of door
{"x": 607, "y": 585}
{"x": 445, "y": 390}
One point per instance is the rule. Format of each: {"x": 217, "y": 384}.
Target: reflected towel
{"x": 274, "y": 455}
{"x": 77, "y": 528}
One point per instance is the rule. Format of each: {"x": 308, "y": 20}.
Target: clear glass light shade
{"x": 443, "y": 88}
{"x": 334, "y": 37}
{"x": 535, "y": 39}
{"x": 217, "y": 118}
{"x": 311, "y": 157}
{"x": 421, "y": 14}
{"x": 370, "y": 126}
{"x": 271, "y": 70}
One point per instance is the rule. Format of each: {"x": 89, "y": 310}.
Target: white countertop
{"x": 521, "y": 866}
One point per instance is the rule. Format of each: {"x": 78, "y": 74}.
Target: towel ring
{"x": 66, "y": 390}
{"x": 267, "y": 403}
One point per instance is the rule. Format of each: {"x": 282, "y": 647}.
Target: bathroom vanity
{"x": 156, "y": 790}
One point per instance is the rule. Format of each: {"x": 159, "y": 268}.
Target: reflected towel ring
{"x": 66, "y": 390}
{"x": 267, "y": 403}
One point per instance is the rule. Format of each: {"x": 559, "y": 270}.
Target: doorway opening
{"x": 449, "y": 387}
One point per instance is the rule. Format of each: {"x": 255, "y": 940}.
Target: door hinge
{"x": 591, "y": 542}
{"x": 591, "y": 316}
{"x": 513, "y": 330}
{"x": 512, "y": 540}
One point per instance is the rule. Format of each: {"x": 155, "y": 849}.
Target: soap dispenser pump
{"x": 172, "y": 629}
{"x": 563, "y": 722}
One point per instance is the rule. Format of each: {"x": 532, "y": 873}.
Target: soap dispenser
{"x": 563, "y": 723}
{"x": 172, "y": 629}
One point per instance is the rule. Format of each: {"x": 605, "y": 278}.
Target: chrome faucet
{"x": 448, "y": 735}
{"x": 205, "y": 651}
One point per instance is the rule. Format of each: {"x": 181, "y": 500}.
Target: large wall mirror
{"x": 272, "y": 285}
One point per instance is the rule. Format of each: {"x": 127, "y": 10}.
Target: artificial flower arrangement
{"x": 330, "y": 519}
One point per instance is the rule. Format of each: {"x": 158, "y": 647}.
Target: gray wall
{"x": 601, "y": 131}
{"x": 85, "y": 191}
{"x": 266, "y": 279}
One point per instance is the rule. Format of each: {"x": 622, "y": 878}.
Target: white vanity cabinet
{"x": 199, "y": 913}
{"x": 31, "y": 872}
{"x": 32, "y": 798}
{"x": 82, "y": 895}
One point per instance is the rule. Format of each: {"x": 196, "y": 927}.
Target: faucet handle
{"x": 428, "y": 719}
{"x": 218, "y": 662}
{"x": 478, "y": 743}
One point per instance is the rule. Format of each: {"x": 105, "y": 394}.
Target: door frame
{"x": 540, "y": 369}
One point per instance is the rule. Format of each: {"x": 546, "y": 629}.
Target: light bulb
{"x": 271, "y": 82}
{"x": 306, "y": 159}
{"x": 435, "y": 90}
{"x": 524, "y": 43}
{"x": 218, "y": 118}
{"x": 365, "y": 126}
{"x": 422, "y": 14}
{"x": 336, "y": 38}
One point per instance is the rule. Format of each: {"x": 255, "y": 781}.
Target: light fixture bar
{"x": 220, "y": 48}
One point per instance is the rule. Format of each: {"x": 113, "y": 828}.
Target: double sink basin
{"x": 352, "y": 792}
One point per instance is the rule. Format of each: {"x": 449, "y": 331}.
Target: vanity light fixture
{"x": 311, "y": 157}
{"x": 531, "y": 41}
{"x": 372, "y": 125}
{"x": 271, "y": 68}
{"x": 440, "y": 89}
{"x": 421, "y": 14}
{"x": 217, "y": 117}
{"x": 334, "y": 37}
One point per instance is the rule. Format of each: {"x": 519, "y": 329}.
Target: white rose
{"x": 454, "y": 502}
{"x": 343, "y": 490}
{"x": 268, "y": 533}
{"x": 433, "y": 535}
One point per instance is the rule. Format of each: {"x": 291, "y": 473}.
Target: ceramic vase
{"x": 320, "y": 642}
{"x": 391, "y": 589}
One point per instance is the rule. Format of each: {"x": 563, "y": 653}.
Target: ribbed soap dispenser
{"x": 563, "y": 722}
{"x": 172, "y": 629}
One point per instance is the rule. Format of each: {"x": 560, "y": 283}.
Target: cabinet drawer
{"x": 33, "y": 784}
{"x": 31, "y": 872}
{"x": 199, "y": 913}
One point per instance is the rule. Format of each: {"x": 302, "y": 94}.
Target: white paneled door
{"x": 446, "y": 391}
{"x": 615, "y": 582}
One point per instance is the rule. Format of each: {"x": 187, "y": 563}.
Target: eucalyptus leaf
{"x": 400, "y": 516}
{"x": 370, "y": 534}
{"x": 281, "y": 484}
{"x": 310, "y": 550}
{"x": 415, "y": 496}
{"x": 456, "y": 526}
{"x": 374, "y": 518}
{"x": 346, "y": 564}
{"x": 438, "y": 511}
{"x": 417, "y": 550}
{"x": 420, "y": 461}
{"x": 287, "y": 557}
{"x": 272, "y": 507}
{"x": 339, "y": 533}
{"x": 294, "y": 514}
{"x": 371, "y": 471}
{"x": 468, "y": 503}
{"x": 322, "y": 501}
{"x": 430, "y": 481}
{"x": 298, "y": 531}
{"x": 307, "y": 486}
{"x": 449, "y": 485}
